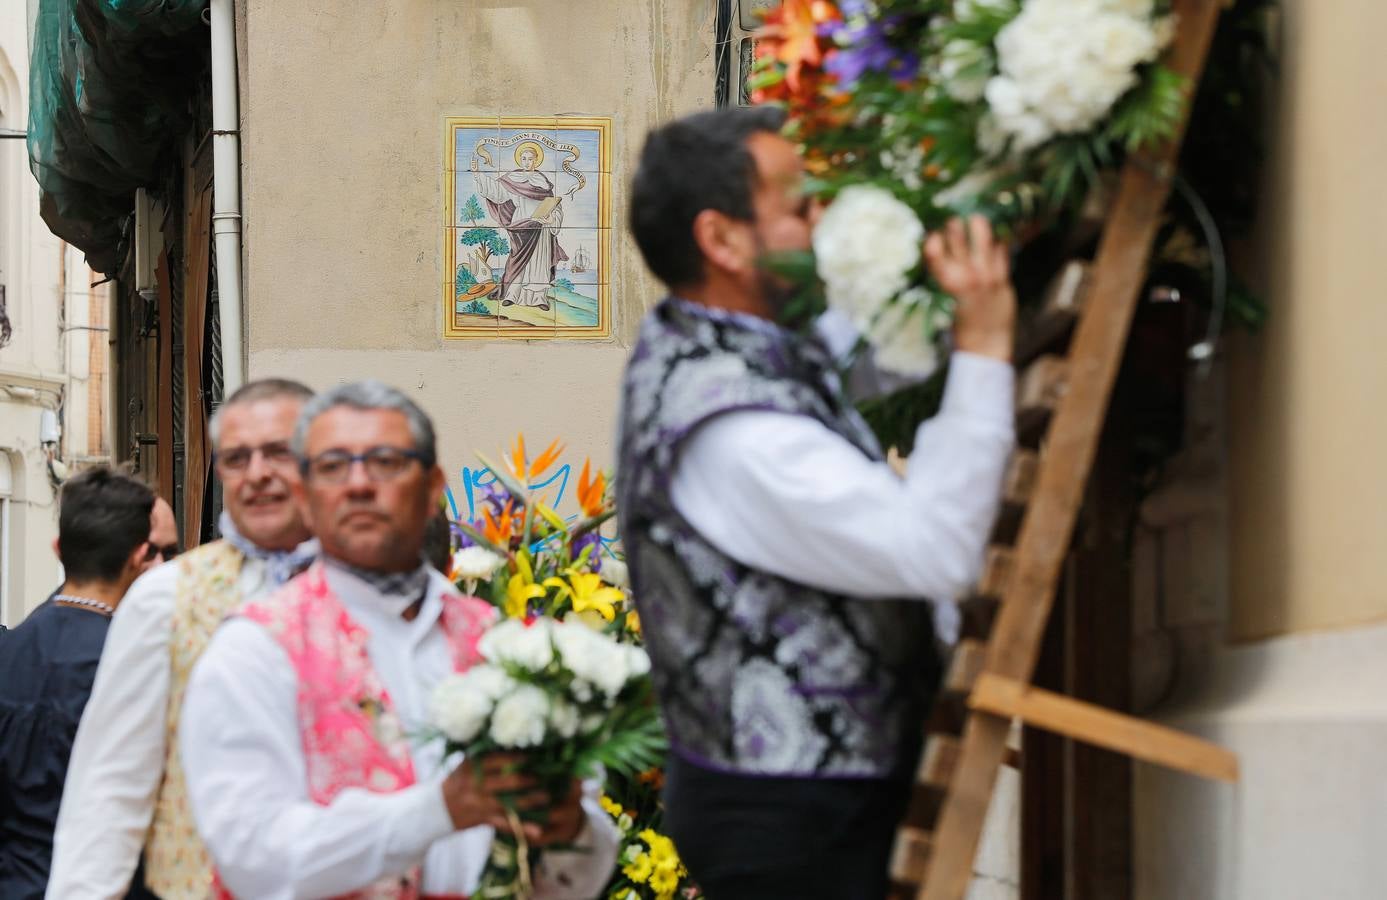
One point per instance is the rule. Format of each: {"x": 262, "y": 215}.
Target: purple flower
{"x": 495, "y": 496}
{"x": 865, "y": 46}
{"x": 460, "y": 539}
{"x": 594, "y": 540}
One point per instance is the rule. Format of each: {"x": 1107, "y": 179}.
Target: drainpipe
{"x": 226, "y": 189}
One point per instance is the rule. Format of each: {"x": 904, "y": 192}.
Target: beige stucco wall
{"x": 1309, "y": 500}
{"x": 343, "y": 179}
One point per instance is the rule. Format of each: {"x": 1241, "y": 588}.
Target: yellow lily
{"x": 521, "y": 588}
{"x": 587, "y": 591}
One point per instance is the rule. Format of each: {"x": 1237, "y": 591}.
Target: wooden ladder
{"x": 1062, "y": 401}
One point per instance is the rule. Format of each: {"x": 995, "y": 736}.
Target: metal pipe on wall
{"x": 226, "y": 190}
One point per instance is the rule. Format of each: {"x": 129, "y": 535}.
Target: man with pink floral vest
{"x": 301, "y": 730}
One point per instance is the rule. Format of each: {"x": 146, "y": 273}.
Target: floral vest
{"x": 757, "y": 674}
{"x": 177, "y": 866}
{"x": 352, "y": 736}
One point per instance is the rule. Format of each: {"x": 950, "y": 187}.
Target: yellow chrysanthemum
{"x": 664, "y": 882}
{"x": 640, "y": 870}
{"x": 611, "y": 806}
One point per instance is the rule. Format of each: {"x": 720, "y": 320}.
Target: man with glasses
{"x": 297, "y": 733}
{"x": 163, "y": 533}
{"x": 47, "y": 664}
{"x": 125, "y": 792}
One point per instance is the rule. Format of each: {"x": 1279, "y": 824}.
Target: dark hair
{"x": 438, "y": 541}
{"x": 367, "y": 395}
{"x": 254, "y": 392}
{"x": 103, "y": 515}
{"x": 692, "y": 164}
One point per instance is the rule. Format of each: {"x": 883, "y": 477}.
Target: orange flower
{"x": 546, "y": 459}
{"x": 498, "y": 529}
{"x": 792, "y": 36}
{"x": 519, "y": 462}
{"x": 591, "y": 494}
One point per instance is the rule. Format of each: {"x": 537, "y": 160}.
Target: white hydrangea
{"x": 596, "y": 660}
{"x": 905, "y": 336}
{"x": 513, "y": 641}
{"x": 865, "y": 245}
{"x": 461, "y": 704}
{"x": 521, "y": 718}
{"x": 1064, "y": 63}
{"x": 563, "y": 718}
{"x": 476, "y": 563}
{"x": 615, "y": 572}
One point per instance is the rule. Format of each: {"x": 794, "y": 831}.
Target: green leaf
{"x": 1150, "y": 112}
{"x": 591, "y": 523}
{"x": 517, "y": 491}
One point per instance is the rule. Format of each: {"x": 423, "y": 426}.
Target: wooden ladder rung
{"x": 996, "y": 572}
{"x": 1038, "y": 391}
{"x": 1064, "y": 300}
{"x": 1018, "y": 484}
{"x": 1019, "y": 481}
{"x": 964, "y": 667}
{"x": 939, "y": 760}
{"x": 910, "y": 856}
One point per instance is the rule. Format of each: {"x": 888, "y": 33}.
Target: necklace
{"x": 105, "y": 609}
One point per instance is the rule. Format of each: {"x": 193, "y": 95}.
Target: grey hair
{"x": 254, "y": 392}
{"x": 367, "y": 395}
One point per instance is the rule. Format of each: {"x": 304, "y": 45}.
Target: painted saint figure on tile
{"x": 524, "y": 203}
{"x": 527, "y": 250}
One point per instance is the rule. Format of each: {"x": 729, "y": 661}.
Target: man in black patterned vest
{"x": 783, "y": 571}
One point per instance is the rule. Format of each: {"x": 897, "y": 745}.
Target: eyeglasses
{"x": 382, "y": 464}
{"x": 277, "y": 454}
{"x": 164, "y": 553}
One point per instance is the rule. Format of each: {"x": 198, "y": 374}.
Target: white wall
{"x": 46, "y": 364}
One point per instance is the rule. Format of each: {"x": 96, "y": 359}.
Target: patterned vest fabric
{"x": 757, "y": 674}
{"x": 177, "y": 866}
{"x": 352, "y": 736}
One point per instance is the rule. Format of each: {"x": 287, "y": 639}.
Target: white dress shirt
{"x": 247, "y": 784}
{"x": 117, "y": 759}
{"x": 784, "y": 494}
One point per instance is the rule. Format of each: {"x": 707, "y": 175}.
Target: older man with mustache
{"x": 125, "y": 791}
{"x": 299, "y": 736}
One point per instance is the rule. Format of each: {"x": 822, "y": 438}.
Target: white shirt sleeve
{"x": 784, "y": 494}
{"x": 247, "y": 785}
{"x": 117, "y": 760}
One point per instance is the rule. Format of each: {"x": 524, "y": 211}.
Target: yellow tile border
{"x": 603, "y": 126}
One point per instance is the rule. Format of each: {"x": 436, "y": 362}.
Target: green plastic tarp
{"x": 110, "y": 85}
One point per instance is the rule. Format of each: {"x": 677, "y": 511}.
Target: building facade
{"x": 53, "y": 354}
{"x": 1261, "y": 571}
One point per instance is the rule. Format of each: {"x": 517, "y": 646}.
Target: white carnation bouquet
{"x": 913, "y": 111}
{"x": 573, "y": 700}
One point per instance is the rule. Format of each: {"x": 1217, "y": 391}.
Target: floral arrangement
{"x": 650, "y": 867}
{"x": 575, "y": 701}
{"x": 528, "y": 561}
{"x": 565, "y": 679}
{"x": 912, "y": 111}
